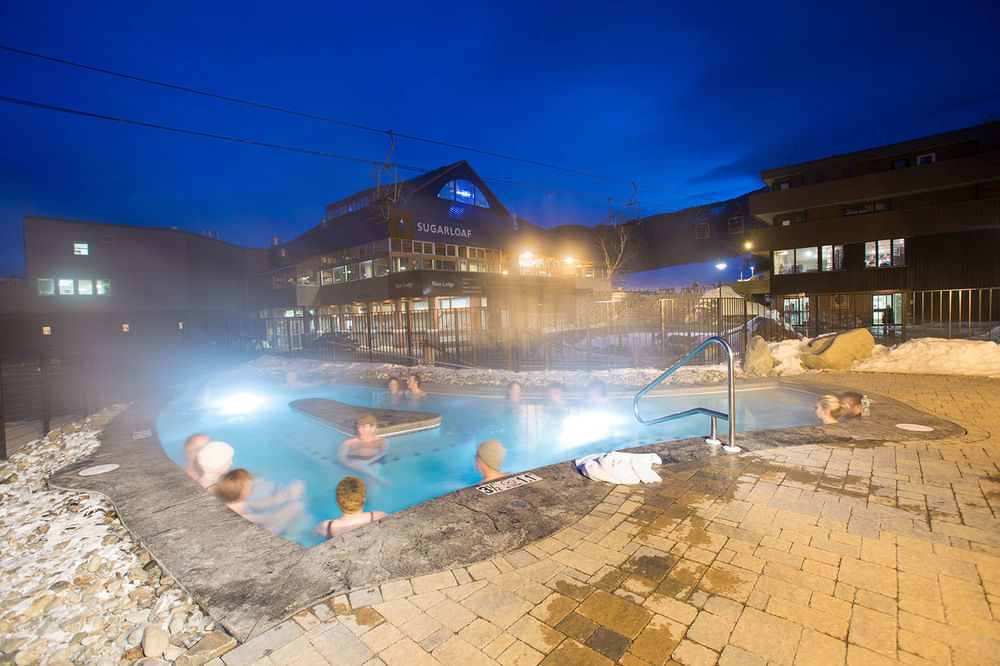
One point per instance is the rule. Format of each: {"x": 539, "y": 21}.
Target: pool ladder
{"x": 729, "y": 416}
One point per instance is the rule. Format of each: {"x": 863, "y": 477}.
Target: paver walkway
{"x": 819, "y": 554}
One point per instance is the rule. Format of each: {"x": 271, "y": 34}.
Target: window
{"x": 832, "y": 258}
{"x": 784, "y": 186}
{"x": 105, "y": 238}
{"x": 400, "y": 264}
{"x": 125, "y": 328}
{"x": 885, "y": 253}
{"x": 786, "y": 222}
{"x": 736, "y": 225}
{"x": 870, "y": 207}
{"x": 46, "y": 330}
{"x": 465, "y": 192}
{"x": 796, "y": 310}
{"x": 339, "y": 274}
{"x": 800, "y": 260}
{"x": 65, "y": 287}
{"x": 85, "y": 287}
{"x": 366, "y": 269}
{"x": 702, "y": 231}
{"x": 180, "y": 326}
{"x": 926, "y": 158}
{"x": 46, "y": 286}
{"x": 103, "y": 287}
{"x": 81, "y": 249}
{"x": 807, "y": 260}
{"x": 900, "y": 164}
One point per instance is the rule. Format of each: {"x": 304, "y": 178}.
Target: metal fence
{"x": 940, "y": 313}
{"x": 40, "y": 392}
{"x": 654, "y": 330}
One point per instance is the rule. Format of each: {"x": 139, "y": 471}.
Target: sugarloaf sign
{"x": 443, "y": 230}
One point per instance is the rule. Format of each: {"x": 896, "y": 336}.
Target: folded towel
{"x": 618, "y": 467}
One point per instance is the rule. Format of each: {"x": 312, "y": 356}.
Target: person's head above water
{"x": 233, "y": 486}
{"x": 393, "y": 384}
{"x": 851, "y": 402}
{"x": 489, "y": 459}
{"x": 351, "y": 493}
{"x": 514, "y": 391}
{"x": 828, "y": 408}
{"x": 215, "y": 457}
{"x": 194, "y": 444}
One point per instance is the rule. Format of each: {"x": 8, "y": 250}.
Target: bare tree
{"x": 615, "y": 239}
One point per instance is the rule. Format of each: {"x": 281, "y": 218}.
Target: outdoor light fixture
{"x": 46, "y": 330}
{"x": 180, "y": 326}
{"x": 125, "y": 328}
{"x": 747, "y": 245}
{"x": 721, "y": 266}
{"x": 570, "y": 260}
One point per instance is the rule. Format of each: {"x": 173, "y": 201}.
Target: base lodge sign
{"x": 444, "y": 230}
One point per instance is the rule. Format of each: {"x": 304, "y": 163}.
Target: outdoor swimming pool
{"x": 281, "y": 445}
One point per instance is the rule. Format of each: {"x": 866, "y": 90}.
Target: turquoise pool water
{"x": 280, "y": 445}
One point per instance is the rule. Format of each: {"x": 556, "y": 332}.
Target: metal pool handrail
{"x": 729, "y": 416}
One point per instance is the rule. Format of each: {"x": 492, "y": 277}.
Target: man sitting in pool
{"x": 367, "y": 447}
{"x": 351, "y": 493}
{"x": 489, "y": 460}
{"x": 413, "y": 386}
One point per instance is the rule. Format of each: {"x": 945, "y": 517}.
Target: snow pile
{"x": 936, "y": 356}
{"x": 931, "y": 356}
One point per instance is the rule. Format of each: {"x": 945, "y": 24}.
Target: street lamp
{"x": 720, "y": 266}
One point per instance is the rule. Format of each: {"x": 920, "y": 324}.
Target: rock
{"x": 211, "y": 646}
{"x": 31, "y": 653}
{"x": 141, "y": 594}
{"x": 94, "y": 563}
{"x": 132, "y": 653}
{"x": 154, "y": 640}
{"x": 147, "y": 661}
{"x": 39, "y": 606}
{"x": 58, "y": 585}
{"x": 139, "y": 616}
{"x": 838, "y": 351}
{"x": 134, "y": 637}
{"x": 757, "y": 361}
{"x": 177, "y": 623}
{"x": 171, "y": 652}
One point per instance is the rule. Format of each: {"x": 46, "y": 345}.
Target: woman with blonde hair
{"x": 828, "y": 408}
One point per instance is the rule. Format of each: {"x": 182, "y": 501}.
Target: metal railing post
{"x": 3, "y": 419}
{"x": 46, "y": 407}
{"x": 730, "y": 416}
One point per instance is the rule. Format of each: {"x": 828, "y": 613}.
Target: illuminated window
{"x": 465, "y": 192}
{"x": 81, "y": 249}
{"x": 65, "y": 287}
{"x": 46, "y": 330}
{"x": 46, "y": 286}
{"x": 799, "y": 260}
{"x": 885, "y": 253}
{"x": 85, "y": 287}
{"x": 833, "y": 257}
{"x": 103, "y": 287}
{"x": 125, "y": 328}
{"x": 784, "y": 186}
{"x": 180, "y": 326}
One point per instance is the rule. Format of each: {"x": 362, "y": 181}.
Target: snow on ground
{"x": 931, "y": 356}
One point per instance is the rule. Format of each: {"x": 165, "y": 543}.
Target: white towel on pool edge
{"x": 618, "y": 467}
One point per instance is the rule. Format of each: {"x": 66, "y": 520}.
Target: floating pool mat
{"x": 342, "y": 417}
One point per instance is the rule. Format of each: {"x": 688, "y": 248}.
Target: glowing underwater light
{"x": 240, "y": 403}
{"x": 589, "y": 426}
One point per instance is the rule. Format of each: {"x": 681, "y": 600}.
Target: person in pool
{"x": 367, "y": 447}
{"x": 851, "y": 402}
{"x": 351, "y": 494}
{"x": 392, "y": 386}
{"x": 235, "y": 486}
{"x": 514, "y": 391}
{"x": 192, "y": 446}
{"x": 828, "y": 408}
{"x": 413, "y": 386}
{"x": 489, "y": 459}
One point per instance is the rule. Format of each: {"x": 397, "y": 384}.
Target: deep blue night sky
{"x": 695, "y": 99}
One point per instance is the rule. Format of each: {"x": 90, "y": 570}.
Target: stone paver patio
{"x": 803, "y": 555}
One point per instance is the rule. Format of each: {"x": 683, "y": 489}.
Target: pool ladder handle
{"x": 713, "y": 438}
